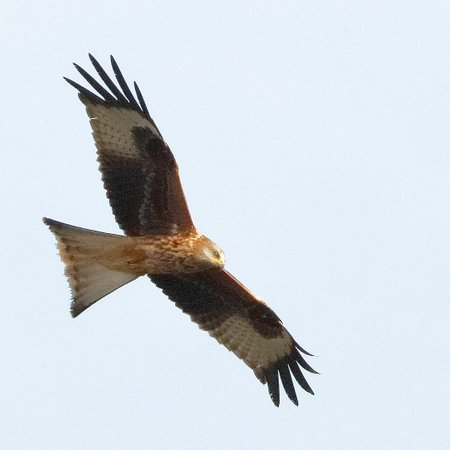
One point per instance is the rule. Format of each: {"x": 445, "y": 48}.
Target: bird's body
{"x": 187, "y": 252}
{"x": 142, "y": 183}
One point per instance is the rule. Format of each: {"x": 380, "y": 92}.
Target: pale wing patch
{"x": 113, "y": 129}
{"x": 256, "y": 350}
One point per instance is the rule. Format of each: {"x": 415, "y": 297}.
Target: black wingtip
{"x": 288, "y": 385}
{"x": 275, "y": 399}
{"x": 95, "y": 84}
{"x": 273, "y": 386}
{"x": 302, "y": 349}
{"x": 298, "y": 375}
{"x": 141, "y": 99}
{"x": 83, "y": 91}
{"x": 299, "y": 358}
{"x": 114, "y": 65}
{"x": 72, "y": 83}
{"x": 123, "y": 84}
{"x": 107, "y": 80}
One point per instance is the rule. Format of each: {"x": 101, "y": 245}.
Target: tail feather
{"x": 86, "y": 254}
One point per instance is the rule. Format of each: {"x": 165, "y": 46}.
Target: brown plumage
{"x": 140, "y": 175}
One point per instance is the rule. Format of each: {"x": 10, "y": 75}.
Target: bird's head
{"x": 212, "y": 253}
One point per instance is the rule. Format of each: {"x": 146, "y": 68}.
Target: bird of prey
{"x": 142, "y": 183}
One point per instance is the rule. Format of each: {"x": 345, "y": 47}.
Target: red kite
{"x": 140, "y": 175}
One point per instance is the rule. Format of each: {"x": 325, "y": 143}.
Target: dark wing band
{"x": 138, "y": 169}
{"x": 231, "y": 314}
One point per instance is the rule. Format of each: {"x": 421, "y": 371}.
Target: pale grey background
{"x": 313, "y": 142}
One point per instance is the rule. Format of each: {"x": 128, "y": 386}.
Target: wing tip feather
{"x": 301, "y": 349}
{"x": 113, "y": 96}
{"x": 273, "y": 385}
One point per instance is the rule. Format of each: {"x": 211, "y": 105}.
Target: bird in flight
{"x": 142, "y": 183}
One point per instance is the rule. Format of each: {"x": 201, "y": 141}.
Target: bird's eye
{"x": 216, "y": 254}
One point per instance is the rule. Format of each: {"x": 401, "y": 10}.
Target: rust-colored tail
{"x": 86, "y": 254}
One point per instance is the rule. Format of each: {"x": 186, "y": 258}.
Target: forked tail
{"x": 87, "y": 255}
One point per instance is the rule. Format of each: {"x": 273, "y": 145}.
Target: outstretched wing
{"x": 138, "y": 169}
{"x": 230, "y": 313}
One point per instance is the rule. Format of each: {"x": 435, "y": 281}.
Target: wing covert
{"x": 139, "y": 171}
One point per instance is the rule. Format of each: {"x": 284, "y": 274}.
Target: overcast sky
{"x": 313, "y": 143}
